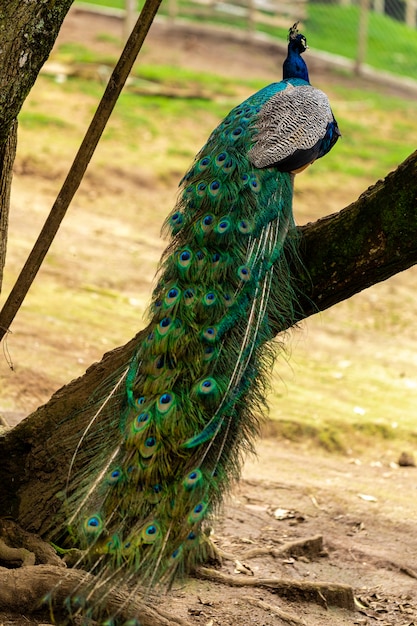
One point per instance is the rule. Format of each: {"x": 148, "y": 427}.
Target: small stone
{"x": 406, "y": 460}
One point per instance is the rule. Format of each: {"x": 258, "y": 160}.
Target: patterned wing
{"x": 294, "y": 127}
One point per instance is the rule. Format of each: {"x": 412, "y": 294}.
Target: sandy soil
{"x": 364, "y": 509}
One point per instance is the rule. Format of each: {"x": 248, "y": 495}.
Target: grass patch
{"x": 180, "y": 77}
{"x": 362, "y": 152}
{"x": 330, "y": 437}
{"x": 385, "y": 35}
{"x": 322, "y": 26}
{"x": 37, "y": 120}
{"x": 343, "y": 392}
{"x": 149, "y": 143}
{"x": 107, "y": 38}
{"x": 113, "y": 4}
{"x": 339, "y": 435}
{"x": 78, "y": 53}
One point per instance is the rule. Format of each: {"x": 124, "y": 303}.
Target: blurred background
{"x": 375, "y": 33}
{"x": 347, "y": 378}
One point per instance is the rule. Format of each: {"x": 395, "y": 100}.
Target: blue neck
{"x": 294, "y": 66}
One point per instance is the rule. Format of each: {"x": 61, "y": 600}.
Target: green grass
{"x": 113, "y": 4}
{"x": 340, "y": 406}
{"x": 154, "y": 137}
{"x": 36, "y": 119}
{"x": 79, "y": 53}
{"x": 185, "y": 96}
{"x": 391, "y": 45}
{"x": 180, "y": 77}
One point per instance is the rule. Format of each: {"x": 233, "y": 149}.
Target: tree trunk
{"x": 372, "y": 239}
{"x": 7, "y": 155}
{"x": 28, "y": 31}
{"x": 340, "y": 255}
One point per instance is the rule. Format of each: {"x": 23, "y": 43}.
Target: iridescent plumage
{"x": 193, "y": 394}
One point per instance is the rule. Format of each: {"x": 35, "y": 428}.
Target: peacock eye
{"x": 165, "y": 398}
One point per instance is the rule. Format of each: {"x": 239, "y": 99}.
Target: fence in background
{"x": 377, "y": 33}
{"x": 255, "y": 13}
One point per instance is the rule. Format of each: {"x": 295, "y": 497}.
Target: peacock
{"x": 167, "y": 441}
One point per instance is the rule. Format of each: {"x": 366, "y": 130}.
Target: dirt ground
{"x": 365, "y": 509}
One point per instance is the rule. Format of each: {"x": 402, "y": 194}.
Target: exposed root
{"x": 322, "y": 593}
{"x": 286, "y": 617}
{"x": 24, "y": 591}
{"x": 408, "y": 571}
{"x": 22, "y": 542}
{"x": 9, "y": 554}
{"x": 312, "y": 547}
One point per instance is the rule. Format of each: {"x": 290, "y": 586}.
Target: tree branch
{"x": 366, "y": 243}
{"x": 372, "y": 239}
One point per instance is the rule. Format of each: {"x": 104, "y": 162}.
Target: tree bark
{"x": 342, "y": 254}
{"x": 7, "y": 155}
{"x": 372, "y": 239}
{"x": 366, "y": 243}
{"x": 28, "y": 31}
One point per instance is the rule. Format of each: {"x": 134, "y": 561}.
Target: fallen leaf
{"x": 367, "y": 498}
{"x": 241, "y": 568}
{"x": 282, "y": 514}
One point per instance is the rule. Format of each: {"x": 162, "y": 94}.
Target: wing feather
{"x": 290, "y": 128}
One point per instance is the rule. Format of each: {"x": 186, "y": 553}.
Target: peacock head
{"x": 296, "y": 40}
{"x": 294, "y": 66}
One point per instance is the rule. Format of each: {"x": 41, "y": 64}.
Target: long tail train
{"x": 169, "y": 438}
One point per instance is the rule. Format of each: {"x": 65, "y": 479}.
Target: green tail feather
{"x": 195, "y": 389}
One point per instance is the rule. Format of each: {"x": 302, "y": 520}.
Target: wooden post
{"x": 362, "y": 35}
{"x": 130, "y": 17}
{"x": 251, "y": 18}
{"x": 172, "y": 10}
{"x": 411, "y": 13}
